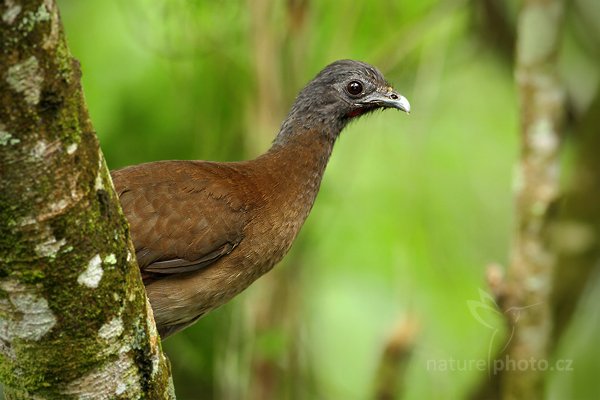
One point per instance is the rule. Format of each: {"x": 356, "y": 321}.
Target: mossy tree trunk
{"x": 74, "y": 318}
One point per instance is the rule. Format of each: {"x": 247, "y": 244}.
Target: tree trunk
{"x": 518, "y": 372}
{"x": 533, "y": 258}
{"x": 74, "y": 317}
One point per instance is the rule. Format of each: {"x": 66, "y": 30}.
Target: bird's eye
{"x": 354, "y": 88}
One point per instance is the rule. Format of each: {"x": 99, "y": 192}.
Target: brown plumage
{"x": 204, "y": 231}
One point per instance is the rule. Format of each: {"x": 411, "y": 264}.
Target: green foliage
{"x": 411, "y": 211}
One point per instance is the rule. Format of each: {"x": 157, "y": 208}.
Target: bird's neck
{"x": 296, "y": 163}
{"x": 289, "y": 176}
{"x": 310, "y": 123}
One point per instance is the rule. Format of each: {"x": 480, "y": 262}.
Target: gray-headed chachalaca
{"x": 204, "y": 231}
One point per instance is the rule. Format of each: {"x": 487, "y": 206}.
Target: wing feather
{"x": 182, "y": 217}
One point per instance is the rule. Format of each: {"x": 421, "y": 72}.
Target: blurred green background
{"x": 411, "y": 211}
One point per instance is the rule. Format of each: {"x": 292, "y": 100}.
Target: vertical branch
{"x": 274, "y": 311}
{"x": 74, "y": 318}
{"x": 533, "y": 259}
{"x": 391, "y": 372}
{"x": 296, "y": 43}
{"x": 494, "y": 26}
{"x": 266, "y": 54}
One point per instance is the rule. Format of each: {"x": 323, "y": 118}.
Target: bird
{"x": 203, "y": 231}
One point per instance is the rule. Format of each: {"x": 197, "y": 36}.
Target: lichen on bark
{"x": 74, "y": 319}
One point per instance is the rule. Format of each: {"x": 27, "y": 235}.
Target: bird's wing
{"x": 182, "y": 217}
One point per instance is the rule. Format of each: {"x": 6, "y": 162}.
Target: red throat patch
{"x": 356, "y": 112}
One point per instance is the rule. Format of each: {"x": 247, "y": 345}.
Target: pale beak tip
{"x": 404, "y": 104}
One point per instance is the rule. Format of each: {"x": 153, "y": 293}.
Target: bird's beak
{"x": 388, "y": 98}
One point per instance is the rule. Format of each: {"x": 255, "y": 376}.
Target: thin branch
{"x": 394, "y": 361}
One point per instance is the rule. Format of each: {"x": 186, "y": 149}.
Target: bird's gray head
{"x": 342, "y": 91}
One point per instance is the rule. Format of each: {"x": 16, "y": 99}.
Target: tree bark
{"x": 533, "y": 258}
{"x": 526, "y": 297}
{"x": 74, "y": 317}
{"x": 570, "y": 227}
